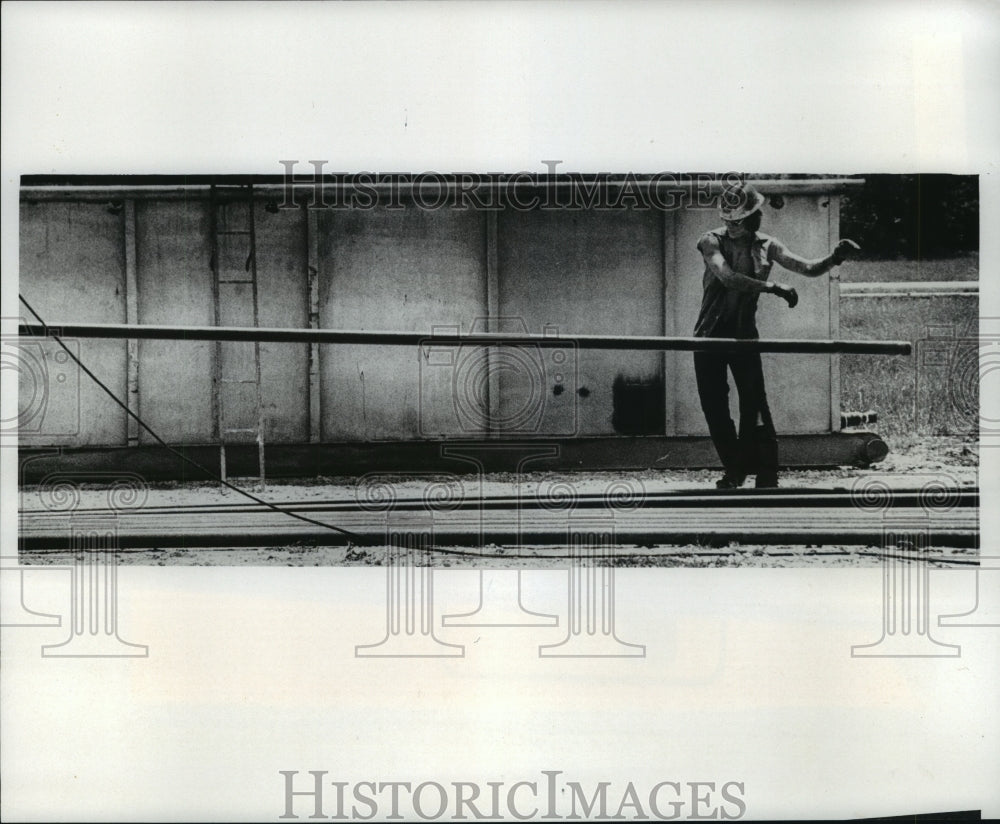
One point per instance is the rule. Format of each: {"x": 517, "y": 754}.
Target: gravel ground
{"x": 527, "y": 557}
{"x": 911, "y": 463}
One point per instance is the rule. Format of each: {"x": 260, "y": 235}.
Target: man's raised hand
{"x": 845, "y": 249}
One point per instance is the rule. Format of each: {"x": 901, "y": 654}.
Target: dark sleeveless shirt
{"x": 731, "y": 313}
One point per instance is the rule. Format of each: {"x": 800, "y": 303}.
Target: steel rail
{"x": 643, "y": 538}
{"x": 755, "y": 499}
{"x": 800, "y": 521}
{"x": 394, "y": 338}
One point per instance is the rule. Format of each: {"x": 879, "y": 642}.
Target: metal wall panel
{"x": 284, "y": 301}
{"x": 408, "y": 270}
{"x": 585, "y": 272}
{"x": 72, "y": 267}
{"x": 173, "y": 260}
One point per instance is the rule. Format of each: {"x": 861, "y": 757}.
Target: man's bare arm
{"x": 717, "y": 265}
{"x": 813, "y": 268}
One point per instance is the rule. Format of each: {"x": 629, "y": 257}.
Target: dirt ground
{"x": 911, "y": 463}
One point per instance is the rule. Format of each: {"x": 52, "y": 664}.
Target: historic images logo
{"x": 90, "y": 539}
{"x": 449, "y": 512}
{"x": 470, "y": 389}
{"x": 909, "y": 533}
{"x": 545, "y": 797}
{"x": 520, "y": 192}
{"x": 47, "y": 378}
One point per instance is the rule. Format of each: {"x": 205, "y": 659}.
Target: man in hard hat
{"x": 738, "y": 260}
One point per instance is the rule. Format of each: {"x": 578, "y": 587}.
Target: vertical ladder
{"x": 238, "y": 396}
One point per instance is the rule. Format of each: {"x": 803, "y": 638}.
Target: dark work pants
{"x": 755, "y": 449}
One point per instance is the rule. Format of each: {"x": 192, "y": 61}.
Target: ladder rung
{"x": 239, "y": 431}
{"x": 235, "y": 281}
{"x": 233, "y": 232}
{"x": 237, "y": 380}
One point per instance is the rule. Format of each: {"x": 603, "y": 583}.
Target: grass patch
{"x": 934, "y": 391}
{"x": 894, "y": 271}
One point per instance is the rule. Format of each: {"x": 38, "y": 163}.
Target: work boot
{"x": 730, "y": 481}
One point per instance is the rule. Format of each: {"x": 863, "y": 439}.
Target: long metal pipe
{"x": 388, "y": 338}
{"x": 431, "y": 182}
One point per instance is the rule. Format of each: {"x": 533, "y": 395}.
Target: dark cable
{"x": 179, "y": 454}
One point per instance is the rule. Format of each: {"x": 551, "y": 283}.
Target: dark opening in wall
{"x": 638, "y": 405}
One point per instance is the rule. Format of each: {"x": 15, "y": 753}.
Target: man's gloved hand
{"x": 786, "y": 293}
{"x": 845, "y": 249}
